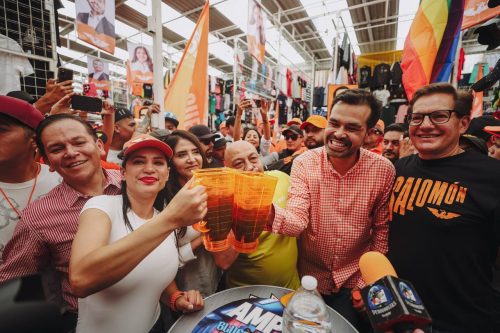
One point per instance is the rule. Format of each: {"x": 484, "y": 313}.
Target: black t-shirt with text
{"x": 444, "y": 236}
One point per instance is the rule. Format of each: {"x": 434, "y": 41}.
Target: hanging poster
{"x": 98, "y": 73}
{"x": 95, "y": 23}
{"x": 256, "y": 31}
{"x": 476, "y": 12}
{"x": 140, "y": 64}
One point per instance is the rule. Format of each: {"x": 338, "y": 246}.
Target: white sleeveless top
{"x": 132, "y": 304}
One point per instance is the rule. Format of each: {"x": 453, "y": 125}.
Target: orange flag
{"x": 187, "y": 94}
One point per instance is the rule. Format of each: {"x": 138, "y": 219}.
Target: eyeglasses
{"x": 292, "y": 137}
{"x": 436, "y": 117}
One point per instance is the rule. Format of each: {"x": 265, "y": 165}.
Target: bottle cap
{"x": 309, "y": 282}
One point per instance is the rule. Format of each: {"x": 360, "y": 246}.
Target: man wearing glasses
{"x": 294, "y": 139}
{"x": 207, "y": 139}
{"x": 445, "y": 216}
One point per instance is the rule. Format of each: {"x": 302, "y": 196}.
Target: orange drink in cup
{"x": 253, "y": 197}
{"x": 219, "y": 184}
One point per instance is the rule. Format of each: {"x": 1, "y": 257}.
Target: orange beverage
{"x": 253, "y": 197}
{"x": 219, "y": 184}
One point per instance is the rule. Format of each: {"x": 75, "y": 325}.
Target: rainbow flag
{"x": 431, "y": 44}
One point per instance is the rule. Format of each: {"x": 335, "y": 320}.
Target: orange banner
{"x": 187, "y": 94}
{"x": 91, "y": 36}
{"x": 477, "y": 11}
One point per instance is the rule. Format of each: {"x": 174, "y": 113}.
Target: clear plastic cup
{"x": 253, "y": 197}
{"x": 219, "y": 184}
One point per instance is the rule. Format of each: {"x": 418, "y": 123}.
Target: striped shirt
{"x": 45, "y": 233}
{"x": 336, "y": 217}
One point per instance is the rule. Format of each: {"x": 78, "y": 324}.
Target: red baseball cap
{"x": 145, "y": 141}
{"x": 20, "y": 110}
{"x": 493, "y": 130}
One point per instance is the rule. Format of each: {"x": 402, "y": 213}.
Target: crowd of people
{"x": 106, "y": 217}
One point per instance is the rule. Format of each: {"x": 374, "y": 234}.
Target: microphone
{"x": 391, "y": 303}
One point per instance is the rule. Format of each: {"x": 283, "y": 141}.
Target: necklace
{"x": 31, "y": 193}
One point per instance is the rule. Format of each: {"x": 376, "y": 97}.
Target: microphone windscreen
{"x": 374, "y": 266}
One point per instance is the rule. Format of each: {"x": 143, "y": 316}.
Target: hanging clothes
{"x": 381, "y": 76}
{"x": 396, "y": 74}
{"x": 365, "y": 74}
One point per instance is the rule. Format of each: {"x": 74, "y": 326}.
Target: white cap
{"x": 309, "y": 282}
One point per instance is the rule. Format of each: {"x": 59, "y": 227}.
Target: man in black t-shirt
{"x": 445, "y": 217}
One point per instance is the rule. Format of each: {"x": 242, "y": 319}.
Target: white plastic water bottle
{"x": 306, "y": 311}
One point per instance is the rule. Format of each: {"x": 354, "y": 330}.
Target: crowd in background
{"x": 105, "y": 214}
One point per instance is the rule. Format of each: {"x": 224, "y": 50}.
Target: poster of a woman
{"x": 256, "y": 35}
{"x": 140, "y": 64}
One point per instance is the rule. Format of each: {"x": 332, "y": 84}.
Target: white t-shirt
{"x": 18, "y": 195}
{"x": 132, "y": 304}
{"x": 12, "y": 66}
{"x": 113, "y": 156}
{"x": 382, "y": 95}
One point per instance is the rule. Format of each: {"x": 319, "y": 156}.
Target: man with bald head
{"x": 275, "y": 260}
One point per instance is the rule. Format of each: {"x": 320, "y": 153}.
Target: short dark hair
{"x": 230, "y": 121}
{"x": 11, "y": 121}
{"x": 431, "y": 89}
{"x": 463, "y": 104}
{"x": 54, "y": 119}
{"x": 395, "y": 128}
{"x": 361, "y": 97}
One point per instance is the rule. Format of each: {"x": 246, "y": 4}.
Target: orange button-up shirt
{"x": 336, "y": 217}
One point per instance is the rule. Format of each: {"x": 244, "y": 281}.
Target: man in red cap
{"x": 22, "y": 179}
{"x": 44, "y": 234}
{"x": 494, "y": 149}
{"x": 314, "y": 129}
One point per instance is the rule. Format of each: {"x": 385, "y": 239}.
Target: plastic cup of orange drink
{"x": 253, "y": 197}
{"x": 219, "y": 184}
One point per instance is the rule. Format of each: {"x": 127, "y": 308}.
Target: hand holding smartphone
{"x": 86, "y": 104}
{"x": 64, "y": 74}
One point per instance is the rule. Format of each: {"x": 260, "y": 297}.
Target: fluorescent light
{"x": 406, "y": 12}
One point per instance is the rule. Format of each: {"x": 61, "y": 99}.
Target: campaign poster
{"x": 256, "y": 31}
{"x": 140, "y": 64}
{"x": 95, "y": 23}
{"x": 98, "y": 73}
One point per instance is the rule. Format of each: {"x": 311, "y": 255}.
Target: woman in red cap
{"x": 124, "y": 257}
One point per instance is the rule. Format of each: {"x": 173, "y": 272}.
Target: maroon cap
{"x": 21, "y": 111}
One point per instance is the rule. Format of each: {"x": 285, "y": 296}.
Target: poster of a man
{"x": 256, "y": 32}
{"x": 140, "y": 63}
{"x": 98, "y": 72}
{"x": 95, "y": 23}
